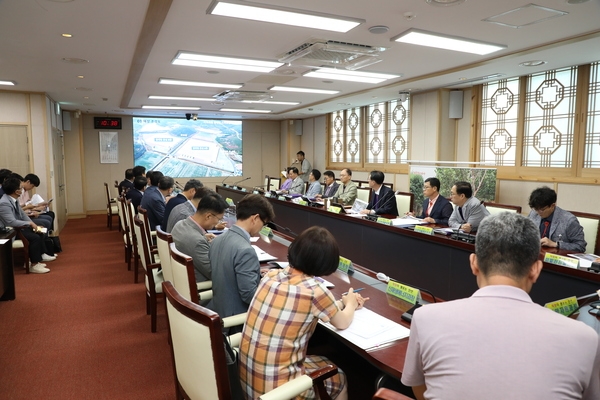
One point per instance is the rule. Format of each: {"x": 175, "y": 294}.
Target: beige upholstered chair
{"x": 143, "y": 214}
{"x": 363, "y": 193}
{"x": 274, "y": 183}
{"x": 184, "y": 278}
{"x": 496, "y": 208}
{"x": 127, "y": 230}
{"x": 163, "y": 240}
{"x": 21, "y": 244}
{"x": 404, "y": 202}
{"x": 591, "y": 230}
{"x": 198, "y": 351}
{"x": 111, "y": 207}
{"x": 154, "y": 277}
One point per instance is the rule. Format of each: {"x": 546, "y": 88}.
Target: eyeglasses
{"x": 541, "y": 210}
{"x": 426, "y": 187}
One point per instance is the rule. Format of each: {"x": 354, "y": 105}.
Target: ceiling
{"x": 130, "y": 45}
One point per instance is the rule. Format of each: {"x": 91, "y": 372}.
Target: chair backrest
{"x": 184, "y": 278}
{"x": 363, "y": 193}
{"x": 404, "y": 202}
{"x": 142, "y": 249}
{"x": 143, "y": 215}
{"x": 197, "y": 348}
{"x": 163, "y": 240}
{"x": 275, "y": 183}
{"x": 122, "y": 212}
{"x": 496, "y": 208}
{"x": 107, "y": 190}
{"x": 129, "y": 213}
{"x": 591, "y": 230}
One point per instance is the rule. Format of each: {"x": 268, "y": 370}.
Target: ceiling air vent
{"x": 239, "y": 95}
{"x": 333, "y": 53}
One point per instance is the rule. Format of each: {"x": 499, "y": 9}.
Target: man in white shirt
{"x": 314, "y": 189}
{"x": 498, "y": 344}
{"x": 305, "y": 166}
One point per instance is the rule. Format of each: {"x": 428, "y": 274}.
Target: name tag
{"x": 334, "y": 209}
{"x": 384, "y": 221}
{"x": 229, "y": 201}
{"x": 303, "y": 202}
{"x": 268, "y": 194}
{"x": 563, "y": 261}
{"x": 244, "y": 190}
{"x": 563, "y": 306}
{"x": 255, "y": 192}
{"x": 424, "y": 229}
{"x": 266, "y": 231}
{"x": 281, "y": 198}
{"x": 345, "y": 265}
{"x": 404, "y": 292}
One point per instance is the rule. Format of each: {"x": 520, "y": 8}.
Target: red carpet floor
{"x": 81, "y": 331}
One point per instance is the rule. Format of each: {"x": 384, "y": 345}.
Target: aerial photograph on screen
{"x": 188, "y": 148}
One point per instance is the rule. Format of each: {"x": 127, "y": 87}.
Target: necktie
{"x": 429, "y": 208}
{"x": 546, "y": 225}
{"x": 460, "y": 212}
{"x": 375, "y": 199}
{"x": 16, "y": 208}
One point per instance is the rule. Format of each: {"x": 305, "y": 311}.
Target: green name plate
{"x": 266, "y": 231}
{"x": 384, "y": 221}
{"x": 424, "y": 229}
{"x": 303, "y": 202}
{"x": 334, "y": 209}
{"x": 255, "y": 192}
{"x": 561, "y": 260}
{"x": 244, "y": 190}
{"x": 563, "y": 306}
{"x": 404, "y": 292}
{"x": 229, "y": 201}
{"x": 345, "y": 265}
{"x": 281, "y": 198}
{"x": 268, "y": 194}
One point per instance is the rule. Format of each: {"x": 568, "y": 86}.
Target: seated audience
{"x": 469, "y": 210}
{"x": 127, "y": 183}
{"x": 297, "y": 185}
{"x": 234, "y": 263}
{"x": 436, "y": 209}
{"x": 12, "y": 215}
{"x": 383, "y": 199}
{"x": 139, "y": 170}
{"x": 331, "y": 186}
{"x": 314, "y": 188}
{"x": 498, "y": 344}
{"x": 4, "y": 173}
{"x": 347, "y": 191}
{"x": 188, "y": 192}
{"x": 154, "y": 199}
{"x": 190, "y": 236}
{"x": 287, "y": 184}
{"x": 558, "y": 228}
{"x": 136, "y": 194}
{"x": 36, "y": 213}
{"x": 283, "y": 316}
{"x": 184, "y": 210}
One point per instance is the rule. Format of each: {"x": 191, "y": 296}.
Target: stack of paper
{"x": 370, "y": 330}
{"x": 262, "y": 255}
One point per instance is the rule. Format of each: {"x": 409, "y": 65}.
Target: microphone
{"x": 227, "y": 177}
{"x": 282, "y": 228}
{"x": 385, "y": 203}
{"x": 241, "y": 180}
{"x": 179, "y": 186}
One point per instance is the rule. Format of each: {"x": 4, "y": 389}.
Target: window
{"x": 592, "y": 135}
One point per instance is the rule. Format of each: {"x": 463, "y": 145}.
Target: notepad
{"x": 370, "y": 330}
{"x": 262, "y": 255}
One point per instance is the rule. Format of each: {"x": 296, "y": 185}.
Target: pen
{"x": 355, "y": 291}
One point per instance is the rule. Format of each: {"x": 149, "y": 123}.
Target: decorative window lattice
{"x": 591, "y": 158}
{"x": 499, "y": 112}
{"x": 375, "y": 131}
{"x": 336, "y": 136}
{"x": 353, "y": 135}
{"x": 549, "y": 118}
{"x": 398, "y": 116}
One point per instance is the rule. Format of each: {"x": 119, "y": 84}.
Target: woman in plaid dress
{"x": 284, "y": 313}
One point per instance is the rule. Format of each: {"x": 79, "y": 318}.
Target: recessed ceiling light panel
{"x": 166, "y": 81}
{"x": 8, "y": 83}
{"x": 302, "y": 90}
{"x": 245, "y": 110}
{"x": 352, "y": 76}
{"x": 153, "y": 97}
{"x": 170, "y": 108}
{"x": 229, "y": 63}
{"x": 441, "y": 41}
{"x": 282, "y": 15}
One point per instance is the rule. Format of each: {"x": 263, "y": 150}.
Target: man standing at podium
{"x": 498, "y": 344}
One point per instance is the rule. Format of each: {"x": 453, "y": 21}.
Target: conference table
{"x": 436, "y": 263}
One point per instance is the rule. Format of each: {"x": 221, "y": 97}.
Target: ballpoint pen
{"x": 355, "y": 291}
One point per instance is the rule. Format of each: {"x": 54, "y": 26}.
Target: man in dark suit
{"x": 136, "y": 194}
{"x": 383, "y": 199}
{"x": 189, "y": 190}
{"x": 330, "y": 186}
{"x": 155, "y": 199}
{"x": 436, "y": 209}
{"x": 127, "y": 183}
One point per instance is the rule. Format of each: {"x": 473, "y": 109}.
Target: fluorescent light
{"x": 152, "y": 97}
{"x": 7, "y": 83}
{"x": 289, "y": 103}
{"x": 302, "y": 90}
{"x": 170, "y": 108}
{"x": 231, "y": 63}
{"x": 282, "y": 15}
{"x": 244, "y": 110}
{"x": 352, "y": 76}
{"x": 430, "y": 39}
{"x": 166, "y": 81}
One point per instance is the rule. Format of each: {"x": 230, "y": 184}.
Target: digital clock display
{"x": 105, "y": 122}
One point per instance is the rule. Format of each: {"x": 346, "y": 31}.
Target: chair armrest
{"x": 235, "y": 339}
{"x": 289, "y": 389}
{"x": 234, "y": 320}
{"x": 205, "y": 295}
{"x": 387, "y": 394}
{"x": 153, "y": 266}
{"x": 204, "y": 285}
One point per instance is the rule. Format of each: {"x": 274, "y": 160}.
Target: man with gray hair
{"x": 498, "y": 344}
